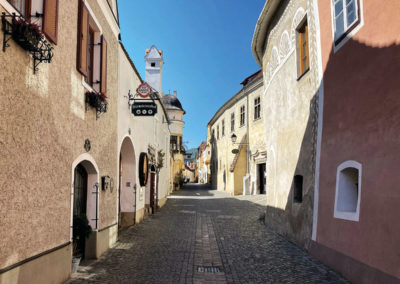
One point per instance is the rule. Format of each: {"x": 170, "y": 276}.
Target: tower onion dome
{"x": 171, "y": 102}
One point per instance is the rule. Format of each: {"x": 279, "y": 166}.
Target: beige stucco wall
{"x": 290, "y": 117}
{"x": 143, "y": 132}
{"x": 42, "y": 131}
{"x": 221, "y": 157}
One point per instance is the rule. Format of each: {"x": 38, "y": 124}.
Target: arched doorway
{"x": 127, "y": 184}
{"x": 84, "y": 203}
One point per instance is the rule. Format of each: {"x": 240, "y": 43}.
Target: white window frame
{"x": 244, "y": 116}
{"x": 359, "y": 13}
{"x": 351, "y": 216}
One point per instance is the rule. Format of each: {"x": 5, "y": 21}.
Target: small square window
{"x": 153, "y": 64}
{"x": 298, "y": 189}
{"x": 348, "y": 191}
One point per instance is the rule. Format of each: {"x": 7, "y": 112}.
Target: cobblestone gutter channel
{"x": 205, "y": 236}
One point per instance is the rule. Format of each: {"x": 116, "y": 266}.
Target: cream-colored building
{"x": 58, "y": 138}
{"x": 286, "y": 46}
{"x": 241, "y": 117}
{"x": 138, "y": 136}
{"x": 154, "y": 64}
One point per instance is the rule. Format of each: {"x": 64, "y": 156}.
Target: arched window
{"x": 348, "y": 191}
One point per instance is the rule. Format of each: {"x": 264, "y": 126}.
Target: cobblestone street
{"x": 205, "y": 236}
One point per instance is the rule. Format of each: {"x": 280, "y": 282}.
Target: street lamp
{"x": 233, "y": 138}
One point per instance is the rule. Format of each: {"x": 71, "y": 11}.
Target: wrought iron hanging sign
{"x": 144, "y": 109}
{"x": 144, "y": 90}
{"x": 144, "y": 101}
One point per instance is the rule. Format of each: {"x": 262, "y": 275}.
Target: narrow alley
{"x": 205, "y": 236}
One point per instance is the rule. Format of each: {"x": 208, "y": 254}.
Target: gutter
{"x": 260, "y": 31}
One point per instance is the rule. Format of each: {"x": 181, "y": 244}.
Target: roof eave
{"x": 257, "y": 44}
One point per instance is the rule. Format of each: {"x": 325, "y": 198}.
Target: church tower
{"x": 154, "y": 63}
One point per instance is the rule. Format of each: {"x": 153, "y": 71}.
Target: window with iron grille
{"x": 242, "y": 116}
{"x": 232, "y": 122}
{"x": 257, "y": 108}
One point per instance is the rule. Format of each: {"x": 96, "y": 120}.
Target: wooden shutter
{"x": 103, "y": 76}
{"x": 28, "y": 9}
{"x": 83, "y": 31}
{"x": 50, "y": 19}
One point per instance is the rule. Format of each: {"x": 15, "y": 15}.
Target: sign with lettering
{"x": 144, "y": 109}
{"x": 144, "y": 90}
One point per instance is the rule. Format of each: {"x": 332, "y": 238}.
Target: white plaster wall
{"x": 144, "y": 131}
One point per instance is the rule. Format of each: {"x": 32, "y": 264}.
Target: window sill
{"x": 303, "y": 74}
{"x": 257, "y": 119}
{"x": 349, "y": 216}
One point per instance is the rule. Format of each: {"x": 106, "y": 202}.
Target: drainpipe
{"x": 247, "y": 131}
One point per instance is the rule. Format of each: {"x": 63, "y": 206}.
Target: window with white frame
{"x": 257, "y": 108}
{"x": 242, "y": 115}
{"x": 223, "y": 128}
{"x": 232, "y": 121}
{"x": 346, "y": 16}
{"x": 217, "y": 131}
{"x": 348, "y": 191}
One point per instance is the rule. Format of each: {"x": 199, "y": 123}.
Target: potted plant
{"x": 80, "y": 232}
{"x": 95, "y": 99}
{"x": 26, "y": 34}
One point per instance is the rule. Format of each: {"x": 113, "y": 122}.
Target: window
{"x": 49, "y": 10}
{"x": 257, "y": 108}
{"x": 348, "y": 191}
{"x": 20, "y": 5}
{"x": 232, "y": 122}
{"x": 217, "y": 131}
{"x": 153, "y": 64}
{"x": 346, "y": 17}
{"x": 174, "y": 143}
{"x": 298, "y": 189}
{"x": 213, "y": 134}
{"x": 242, "y": 116}
{"x": 92, "y": 51}
{"x": 303, "y": 61}
{"x": 223, "y": 127}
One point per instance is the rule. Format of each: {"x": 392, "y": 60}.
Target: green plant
{"x": 80, "y": 232}
{"x": 160, "y": 159}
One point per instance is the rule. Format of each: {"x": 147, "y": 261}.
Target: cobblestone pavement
{"x": 205, "y": 236}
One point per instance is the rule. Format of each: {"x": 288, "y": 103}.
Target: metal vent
{"x": 208, "y": 269}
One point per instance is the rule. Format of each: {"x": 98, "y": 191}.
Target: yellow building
{"x": 238, "y": 167}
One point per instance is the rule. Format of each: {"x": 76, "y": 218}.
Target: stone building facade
{"x": 57, "y": 148}
{"x": 227, "y": 170}
{"x": 285, "y": 45}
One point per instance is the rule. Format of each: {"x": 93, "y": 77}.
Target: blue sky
{"x": 206, "y": 46}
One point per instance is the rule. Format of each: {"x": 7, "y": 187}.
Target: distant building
{"x": 241, "y": 117}
{"x": 154, "y": 63}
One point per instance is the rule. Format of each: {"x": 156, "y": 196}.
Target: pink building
{"x": 357, "y": 200}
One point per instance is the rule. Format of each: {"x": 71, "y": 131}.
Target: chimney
{"x": 175, "y": 94}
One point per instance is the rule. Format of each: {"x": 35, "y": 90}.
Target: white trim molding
{"x": 358, "y": 26}
{"x": 345, "y": 197}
